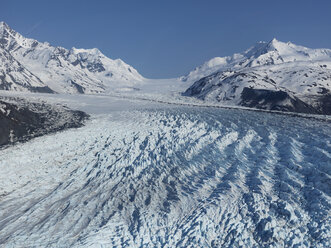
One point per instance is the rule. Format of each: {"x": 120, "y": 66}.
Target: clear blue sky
{"x": 169, "y": 38}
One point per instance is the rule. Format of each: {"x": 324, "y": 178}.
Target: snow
{"x": 93, "y": 51}
{"x": 207, "y": 68}
{"x": 153, "y": 168}
{"x": 302, "y": 73}
{"x": 276, "y": 66}
{"x": 143, "y": 173}
{"x": 61, "y": 69}
{"x": 267, "y": 57}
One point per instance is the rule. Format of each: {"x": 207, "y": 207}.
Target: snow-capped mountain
{"x": 270, "y": 75}
{"x": 60, "y": 69}
{"x": 14, "y": 76}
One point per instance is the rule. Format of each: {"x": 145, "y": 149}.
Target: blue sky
{"x": 163, "y": 39}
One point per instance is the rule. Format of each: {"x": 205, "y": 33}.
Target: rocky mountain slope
{"x": 273, "y": 75}
{"x": 29, "y": 65}
{"x": 21, "y": 120}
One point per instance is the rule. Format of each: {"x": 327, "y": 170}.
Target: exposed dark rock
{"x": 274, "y": 100}
{"x": 45, "y": 89}
{"x": 21, "y": 120}
{"x": 322, "y": 103}
{"x": 199, "y": 86}
{"x": 80, "y": 89}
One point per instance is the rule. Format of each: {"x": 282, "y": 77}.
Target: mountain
{"x": 14, "y": 76}
{"x": 29, "y": 65}
{"x": 270, "y": 75}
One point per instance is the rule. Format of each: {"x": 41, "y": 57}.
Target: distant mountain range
{"x": 29, "y": 65}
{"x": 270, "y": 75}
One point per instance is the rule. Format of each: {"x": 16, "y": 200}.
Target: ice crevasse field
{"x": 144, "y": 174}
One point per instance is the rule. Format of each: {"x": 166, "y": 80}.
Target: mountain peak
{"x": 3, "y": 26}
{"x": 92, "y": 51}
{"x": 262, "y": 53}
{"x": 274, "y": 41}
{"x": 275, "y": 45}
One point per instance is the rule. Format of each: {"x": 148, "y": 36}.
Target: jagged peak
{"x": 274, "y": 41}
{"x": 4, "y": 26}
{"x": 95, "y": 53}
{"x": 272, "y": 45}
{"x": 275, "y": 45}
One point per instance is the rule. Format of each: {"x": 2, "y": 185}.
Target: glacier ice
{"x": 153, "y": 175}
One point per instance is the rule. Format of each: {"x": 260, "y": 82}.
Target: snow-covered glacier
{"x": 144, "y": 174}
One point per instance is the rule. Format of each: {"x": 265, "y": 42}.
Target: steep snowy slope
{"x": 14, "y": 76}
{"x": 300, "y": 73}
{"x": 96, "y": 62}
{"x": 70, "y": 71}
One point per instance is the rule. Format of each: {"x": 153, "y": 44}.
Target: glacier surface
{"x": 146, "y": 174}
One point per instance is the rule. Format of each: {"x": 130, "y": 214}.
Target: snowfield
{"x": 147, "y": 174}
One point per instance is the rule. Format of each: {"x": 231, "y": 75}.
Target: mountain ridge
{"x": 62, "y": 70}
{"x": 271, "y": 69}
{"x": 249, "y": 56}
{"x": 298, "y": 75}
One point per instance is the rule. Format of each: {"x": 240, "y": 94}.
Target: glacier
{"x": 182, "y": 162}
{"x": 148, "y": 174}
{"x": 270, "y": 75}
